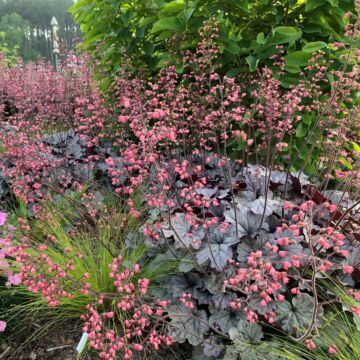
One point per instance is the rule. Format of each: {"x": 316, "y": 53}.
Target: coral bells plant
{"x": 251, "y": 118}
{"x": 37, "y": 103}
{"x": 255, "y": 244}
{"x": 143, "y": 327}
{"x": 250, "y": 260}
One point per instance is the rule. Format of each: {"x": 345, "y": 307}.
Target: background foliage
{"x": 26, "y": 24}
{"x": 249, "y": 30}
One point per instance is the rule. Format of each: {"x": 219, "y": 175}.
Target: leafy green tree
{"x": 38, "y": 14}
{"x": 15, "y": 30}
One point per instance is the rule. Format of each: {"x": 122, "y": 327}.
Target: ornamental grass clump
{"x": 72, "y": 272}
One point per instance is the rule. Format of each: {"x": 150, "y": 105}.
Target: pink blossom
{"x": 2, "y": 326}
{"x": 3, "y": 217}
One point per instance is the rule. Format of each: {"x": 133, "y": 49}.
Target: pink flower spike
{"x": 310, "y": 344}
{"x": 3, "y": 217}
{"x": 347, "y": 269}
{"x": 2, "y": 326}
{"x": 332, "y": 349}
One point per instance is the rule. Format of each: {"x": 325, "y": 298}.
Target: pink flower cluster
{"x": 35, "y": 101}
{"x": 250, "y": 116}
{"x": 138, "y": 326}
{"x": 269, "y": 274}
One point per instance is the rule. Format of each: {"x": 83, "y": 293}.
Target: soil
{"x": 58, "y": 344}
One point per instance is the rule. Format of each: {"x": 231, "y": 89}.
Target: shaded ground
{"x": 59, "y": 344}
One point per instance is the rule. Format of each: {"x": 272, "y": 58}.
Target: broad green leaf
{"x": 261, "y": 38}
{"x": 283, "y": 34}
{"x": 313, "y": 4}
{"x": 173, "y": 7}
{"x": 242, "y": 4}
{"x": 293, "y": 69}
{"x": 307, "y": 118}
{"x": 356, "y": 147}
{"x": 297, "y": 58}
{"x": 232, "y": 48}
{"x": 179, "y": 68}
{"x": 288, "y": 31}
{"x": 311, "y": 28}
{"x": 345, "y": 162}
{"x": 186, "y": 14}
{"x": 233, "y": 72}
{"x": 167, "y": 34}
{"x": 252, "y": 62}
{"x": 301, "y": 130}
{"x": 126, "y": 17}
{"x": 314, "y": 46}
{"x": 168, "y": 23}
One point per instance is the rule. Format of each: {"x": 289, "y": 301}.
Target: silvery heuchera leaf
{"x": 186, "y": 264}
{"x": 255, "y": 181}
{"x": 186, "y": 324}
{"x": 223, "y": 193}
{"x": 247, "y": 332}
{"x": 206, "y": 192}
{"x": 231, "y": 353}
{"x": 244, "y": 199}
{"x": 4, "y": 187}
{"x": 247, "y": 223}
{"x": 279, "y": 177}
{"x": 249, "y": 245}
{"x": 198, "y": 354}
{"x": 246, "y": 338}
{"x": 190, "y": 283}
{"x": 221, "y": 301}
{"x": 226, "y": 319}
{"x": 215, "y": 282}
{"x": 213, "y": 347}
{"x": 59, "y": 137}
{"x": 218, "y": 211}
{"x": 304, "y": 179}
{"x": 218, "y": 249}
{"x": 338, "y": 197}
{"x": 255, "y": 304}
{"x": 295, "y": 317}
{"x": 180, "y": 230}
{"x": 272, "y": 206}
{"x": 354, "y": 258}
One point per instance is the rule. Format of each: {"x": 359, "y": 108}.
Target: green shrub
{"x": 249, "y": 30}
